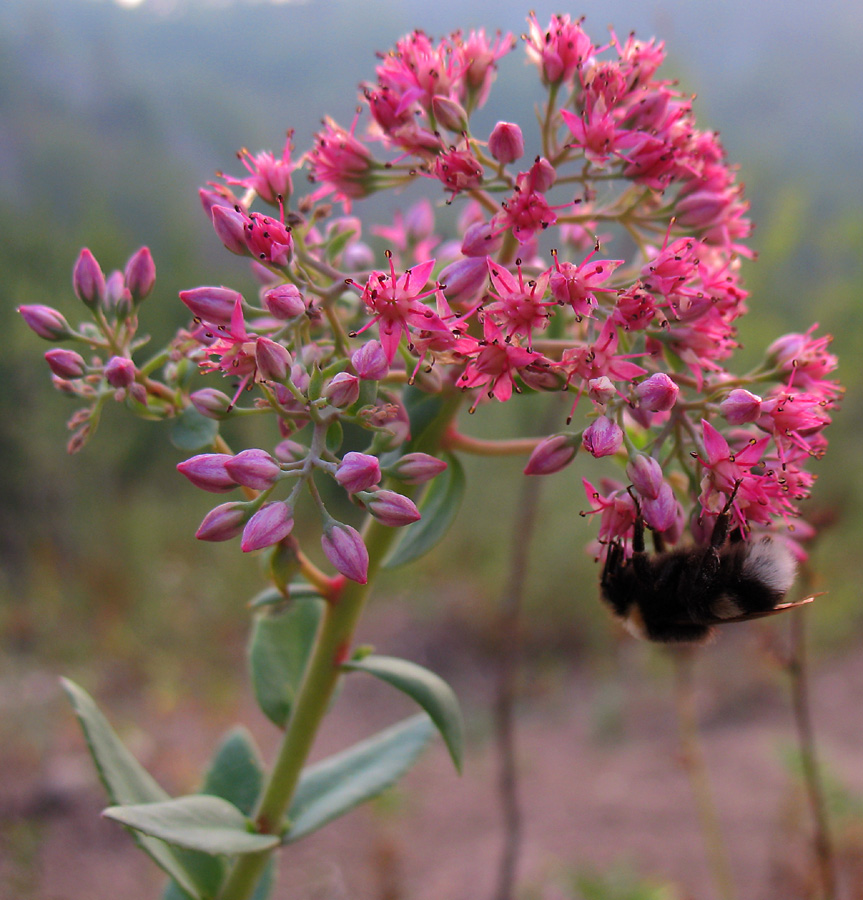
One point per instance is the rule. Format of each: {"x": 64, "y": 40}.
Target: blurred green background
{"x": 110, "y": 119}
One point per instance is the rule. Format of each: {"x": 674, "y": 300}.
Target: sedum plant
{"x": 596, "y": 253}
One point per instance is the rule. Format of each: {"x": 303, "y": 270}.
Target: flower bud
{"x": 657, "y": 393}
{"x": 224, "y": 522}
{"x": 211, "y": 403}
{"x": 449, "y": 113}
{"x": 46, "y": 322}
{"x": 285, "y": 301}
{"x": 288, "y": 451}
{"x": 480, "y": 239}
{"x": 601, "y": 390}
{"x": 464, "y": 279}
{"x": 506, "y": 142}
{"x": 117, "y": 298}
{"x": 358, "y": 255}
{"x": 272, "y": 360}
{"x": 254, "y": 469}
{"x": 271, "y": 523}
{"x": 358, "y": 472}
{"x": 419, "y": 221}
{"x": 120, "y": 372}
{"x": 88, "y": 281}
{"x": 740, "y": 407}
{"x": 370, "y": 361}
{"x": 551, "y": 455}
{"x": 344, "y": 548}
{"x": 140, "y": 274}
{"x": 660, "y": 513}
{"x": 207, "y": 471}
{"x": 541, "y": 176}
{"x": 65, "y": 363}
{"x": 230, "y": 226}
{"x": 645, "y": 473}
{"x": 392, "y": 509}
{"x": 212, "y": 304}
{"x": 416, "y": 468}
{"x": 343, "y": 390}
{"x": 602, "y": 437}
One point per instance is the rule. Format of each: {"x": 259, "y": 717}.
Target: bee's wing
{"x": 745, "y": 617}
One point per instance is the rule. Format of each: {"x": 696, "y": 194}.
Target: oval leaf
{"x": 278, "y": 652}
{"x": 235, "y": 773}
{"x": 197, "y": 822}
{"x": 439, "y": 507}
{"x": 337, "y": 784}
{"x": 193, "y": 431}
{"x": 432, "y": 693}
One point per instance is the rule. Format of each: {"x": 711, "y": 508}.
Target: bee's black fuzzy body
{"x": 679, "y": 595}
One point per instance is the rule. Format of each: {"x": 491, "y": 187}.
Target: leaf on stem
{"x": 193, "y": 431}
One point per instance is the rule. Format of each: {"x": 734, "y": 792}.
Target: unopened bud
{"x": 65, "y": 363}
{"x": 506, "y": 142}
{"x": 601, "y": 390}
{"x": 343, "y": 390}
{"x": 224, "y": 522}
{"x": 118, "y": 298}
{"x": 120, "y": 372}
{"x": 541, "y": 175}
{"x": 551, "y": 455}
{"x": 212, "y": 304}
{"x": 392, "y": 509}
{"x": 288, "y": 451}
{"x": 464, "y": 279}
{"x": 660, "y": 513}
{"x": 740, "y": 407}
{"x": 285, "y": 301}
{"x": 211, "y": 403}
{"x": 603, "y": 437}
{"x": 416, "y": 468}
{"x": 88, "y": 280}
{"x": 645, "y": 473}
{"x": 358, "y": 472}
{"x": 254, "y": 469}
{"x": 46, "y": 322}
{"x": 480, "y": 239}
{"x": 450, "y": 114}
{"x": 344, "y": 548}
{"x": 230, "y": 226}
{"x": 657, "y": 393}
{"x": 272, "y": 360}
{"x": 370, "y": 362}
{"x": 270, "y": 524}
{"x": 207, "y": 471}
{"x": 140, "y": 274}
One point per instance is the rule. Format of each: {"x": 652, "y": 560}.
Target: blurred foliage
{"x": 109, "y": 120}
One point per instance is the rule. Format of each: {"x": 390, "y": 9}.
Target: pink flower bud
{"x": 140, "y": 274}
{"x": 449, "y": 113}
{"x": 343, "y": 390}
{"x": 419, "y": 221}
{"x": 344, "y": 548}
{"x": 645, "y": 473}
{"x": 480, "y": 239}
{"x": 270, "y": 524}
{"x": 272, "y": 360}
{"x": 601, "y": 390}
{"x": 464, "y": 279}
{"x": 224, "y": 522}
{"x": 506, "y": 143}
{"x": 254, "y": 469}
{"x": 660, "y": 513}
{"x": 602, "y": 437}
{"x": 416, "y": 468}
{"x": 230, "y": 227}
{"x": 541, "y": 176}
{"x": 207, "y": 471}
{"x": 212, "y": 304}
{"x": 65, "y": 363}
{"x": 392, "y": 509}
{"x": 370, "y": 361}
{"x": 358, "y": 255}
{"x": 700, "y": 209}
{"x": 657, "y": 393}
{"x": 120, "y": 372}
{"x": 118, "y": 298}
{"x": 46, "y": 322}
{"x": 88, "y": 280}
{"x": 551, "y": 455}
{"x": 285, "y": 301}
{"x": 358, "y": 472}
{"x": 740, "y": 406}
{"x": 288, "y": 451}
{"x": 211, "y": 403}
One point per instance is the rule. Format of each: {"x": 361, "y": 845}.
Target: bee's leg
{"x": 639, "y": 554}
{"x": 611, "y": 589}
{"x": 720, "y": 526}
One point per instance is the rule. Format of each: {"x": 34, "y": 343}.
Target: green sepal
{"x": 279, "y": 649}
{"x": 127, "y": 782}
{"x": 338, "y": 243}
{"x": 198, "y": 822}
{"x": 432, "y": 693}
{"x": 341, "y": 782}
{"x": 438, "y": 507}
{"x": 193, "y": 431}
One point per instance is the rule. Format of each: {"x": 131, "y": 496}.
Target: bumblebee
{"x": 679, "y": 595}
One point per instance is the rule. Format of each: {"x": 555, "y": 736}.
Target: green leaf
{"x": 439, "y": 507}
{"x": 432, "y": 693}
{"x": 193, "y": 431}
{"x": 337, "y": 784}
{"x": 235, "y": 773}
{"x": 278, "y": 652}
{"x": 127, "y": 782}
{"x": 197, "y": 822}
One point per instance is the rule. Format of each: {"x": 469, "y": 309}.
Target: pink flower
{"x": 603, "y": 437}
{"x": 617, "y": 511}
{"x": 340, "y": 164}
{"x": 518, "y": 307}
{"x": 740, "y": 407}
{"x": 458, "y": 170}
{"x": 657, "y": 392}
{"x": 560, "y": 50}
{"x": 576, "y": 285}
{"x": 370, "y": 362}
{"x": 233, "y": 351}
{"x": 269, "y": 177}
